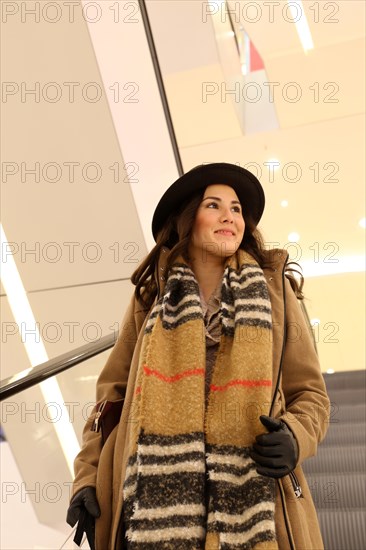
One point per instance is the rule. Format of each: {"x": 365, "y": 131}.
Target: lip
{"x": 225, "y": 232}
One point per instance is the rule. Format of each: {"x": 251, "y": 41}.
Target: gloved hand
{"x": 84, "y": 508}
{"x": 276, "y": 452}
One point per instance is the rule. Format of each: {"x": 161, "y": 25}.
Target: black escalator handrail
{"x": 25, "y": 379}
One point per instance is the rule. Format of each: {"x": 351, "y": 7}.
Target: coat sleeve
{"x": 111, "y": 386}
{"x": 307, "y": 402}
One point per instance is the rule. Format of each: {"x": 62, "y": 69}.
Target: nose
{"x": 227, "y": 215}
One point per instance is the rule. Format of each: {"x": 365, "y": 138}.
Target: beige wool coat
{"x": 299, "y": 399}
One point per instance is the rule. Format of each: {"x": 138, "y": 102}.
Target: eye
{"x": 236, "y": 208}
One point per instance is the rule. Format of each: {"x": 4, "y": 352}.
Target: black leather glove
{"x": 84, "y": 508}
{"x": 275, "y": 453}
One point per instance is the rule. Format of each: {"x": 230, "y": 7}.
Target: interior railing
{"x": 31, "y": 377}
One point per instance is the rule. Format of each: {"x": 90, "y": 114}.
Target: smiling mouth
{"x": 227, "y": 233}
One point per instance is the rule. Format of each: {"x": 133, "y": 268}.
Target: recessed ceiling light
{"x": 274, "y": 163}
{"x": 362, "y": 222}
{"x": 330, "y": 371}
{"x": 314, "y": 322}
{"x": 293, "y": 237}
{"x": 284, "y": 204}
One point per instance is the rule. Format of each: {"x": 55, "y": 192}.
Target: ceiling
{"x": 320, "y": 175}
{"x": 318, "y": 139}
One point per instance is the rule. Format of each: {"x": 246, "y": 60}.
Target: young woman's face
{"x": 219, "y": 225}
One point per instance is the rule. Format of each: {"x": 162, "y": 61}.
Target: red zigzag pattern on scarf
{"x": 201, "y": 372}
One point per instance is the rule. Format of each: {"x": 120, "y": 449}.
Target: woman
{"x": 223, "y": 394}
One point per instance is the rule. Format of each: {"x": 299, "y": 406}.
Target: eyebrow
{"x": 218, "y": 199}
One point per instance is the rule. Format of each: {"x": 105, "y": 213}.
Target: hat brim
{"x": 247, "y": 187}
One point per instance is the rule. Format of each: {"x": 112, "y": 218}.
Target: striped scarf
{"x": 190, "y": 483}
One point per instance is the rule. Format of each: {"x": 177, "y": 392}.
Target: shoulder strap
{"x": 297, "y": 287}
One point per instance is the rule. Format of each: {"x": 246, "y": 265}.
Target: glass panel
{"x": 37, "y": 455}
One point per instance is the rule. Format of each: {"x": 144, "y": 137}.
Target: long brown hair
{"x": 176, "y": 235}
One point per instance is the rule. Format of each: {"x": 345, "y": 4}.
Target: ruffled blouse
{"x": 212, "y": 319}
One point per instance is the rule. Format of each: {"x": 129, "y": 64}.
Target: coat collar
{"x": 272, "y": 273}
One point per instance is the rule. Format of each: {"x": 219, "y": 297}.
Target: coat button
{"x": 162, "y": 278}
{"x": 162, "y": 269}
{"x": 270, "y": 279}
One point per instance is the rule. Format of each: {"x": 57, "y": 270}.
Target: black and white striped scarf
{"x": 190, "y": 482}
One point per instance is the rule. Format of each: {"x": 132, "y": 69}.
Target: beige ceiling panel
{"x": 335, "y": 22}
{"x": 318, "y": 175}
{"x": 201, "y": 106}
{"x": 66, "y": 201}
{"x": 324, "y": 84}
{"x": 271, "y": 27}
{"x": 183, "y": 34}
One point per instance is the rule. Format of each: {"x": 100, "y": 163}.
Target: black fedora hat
{"x": 245, "y": 184}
